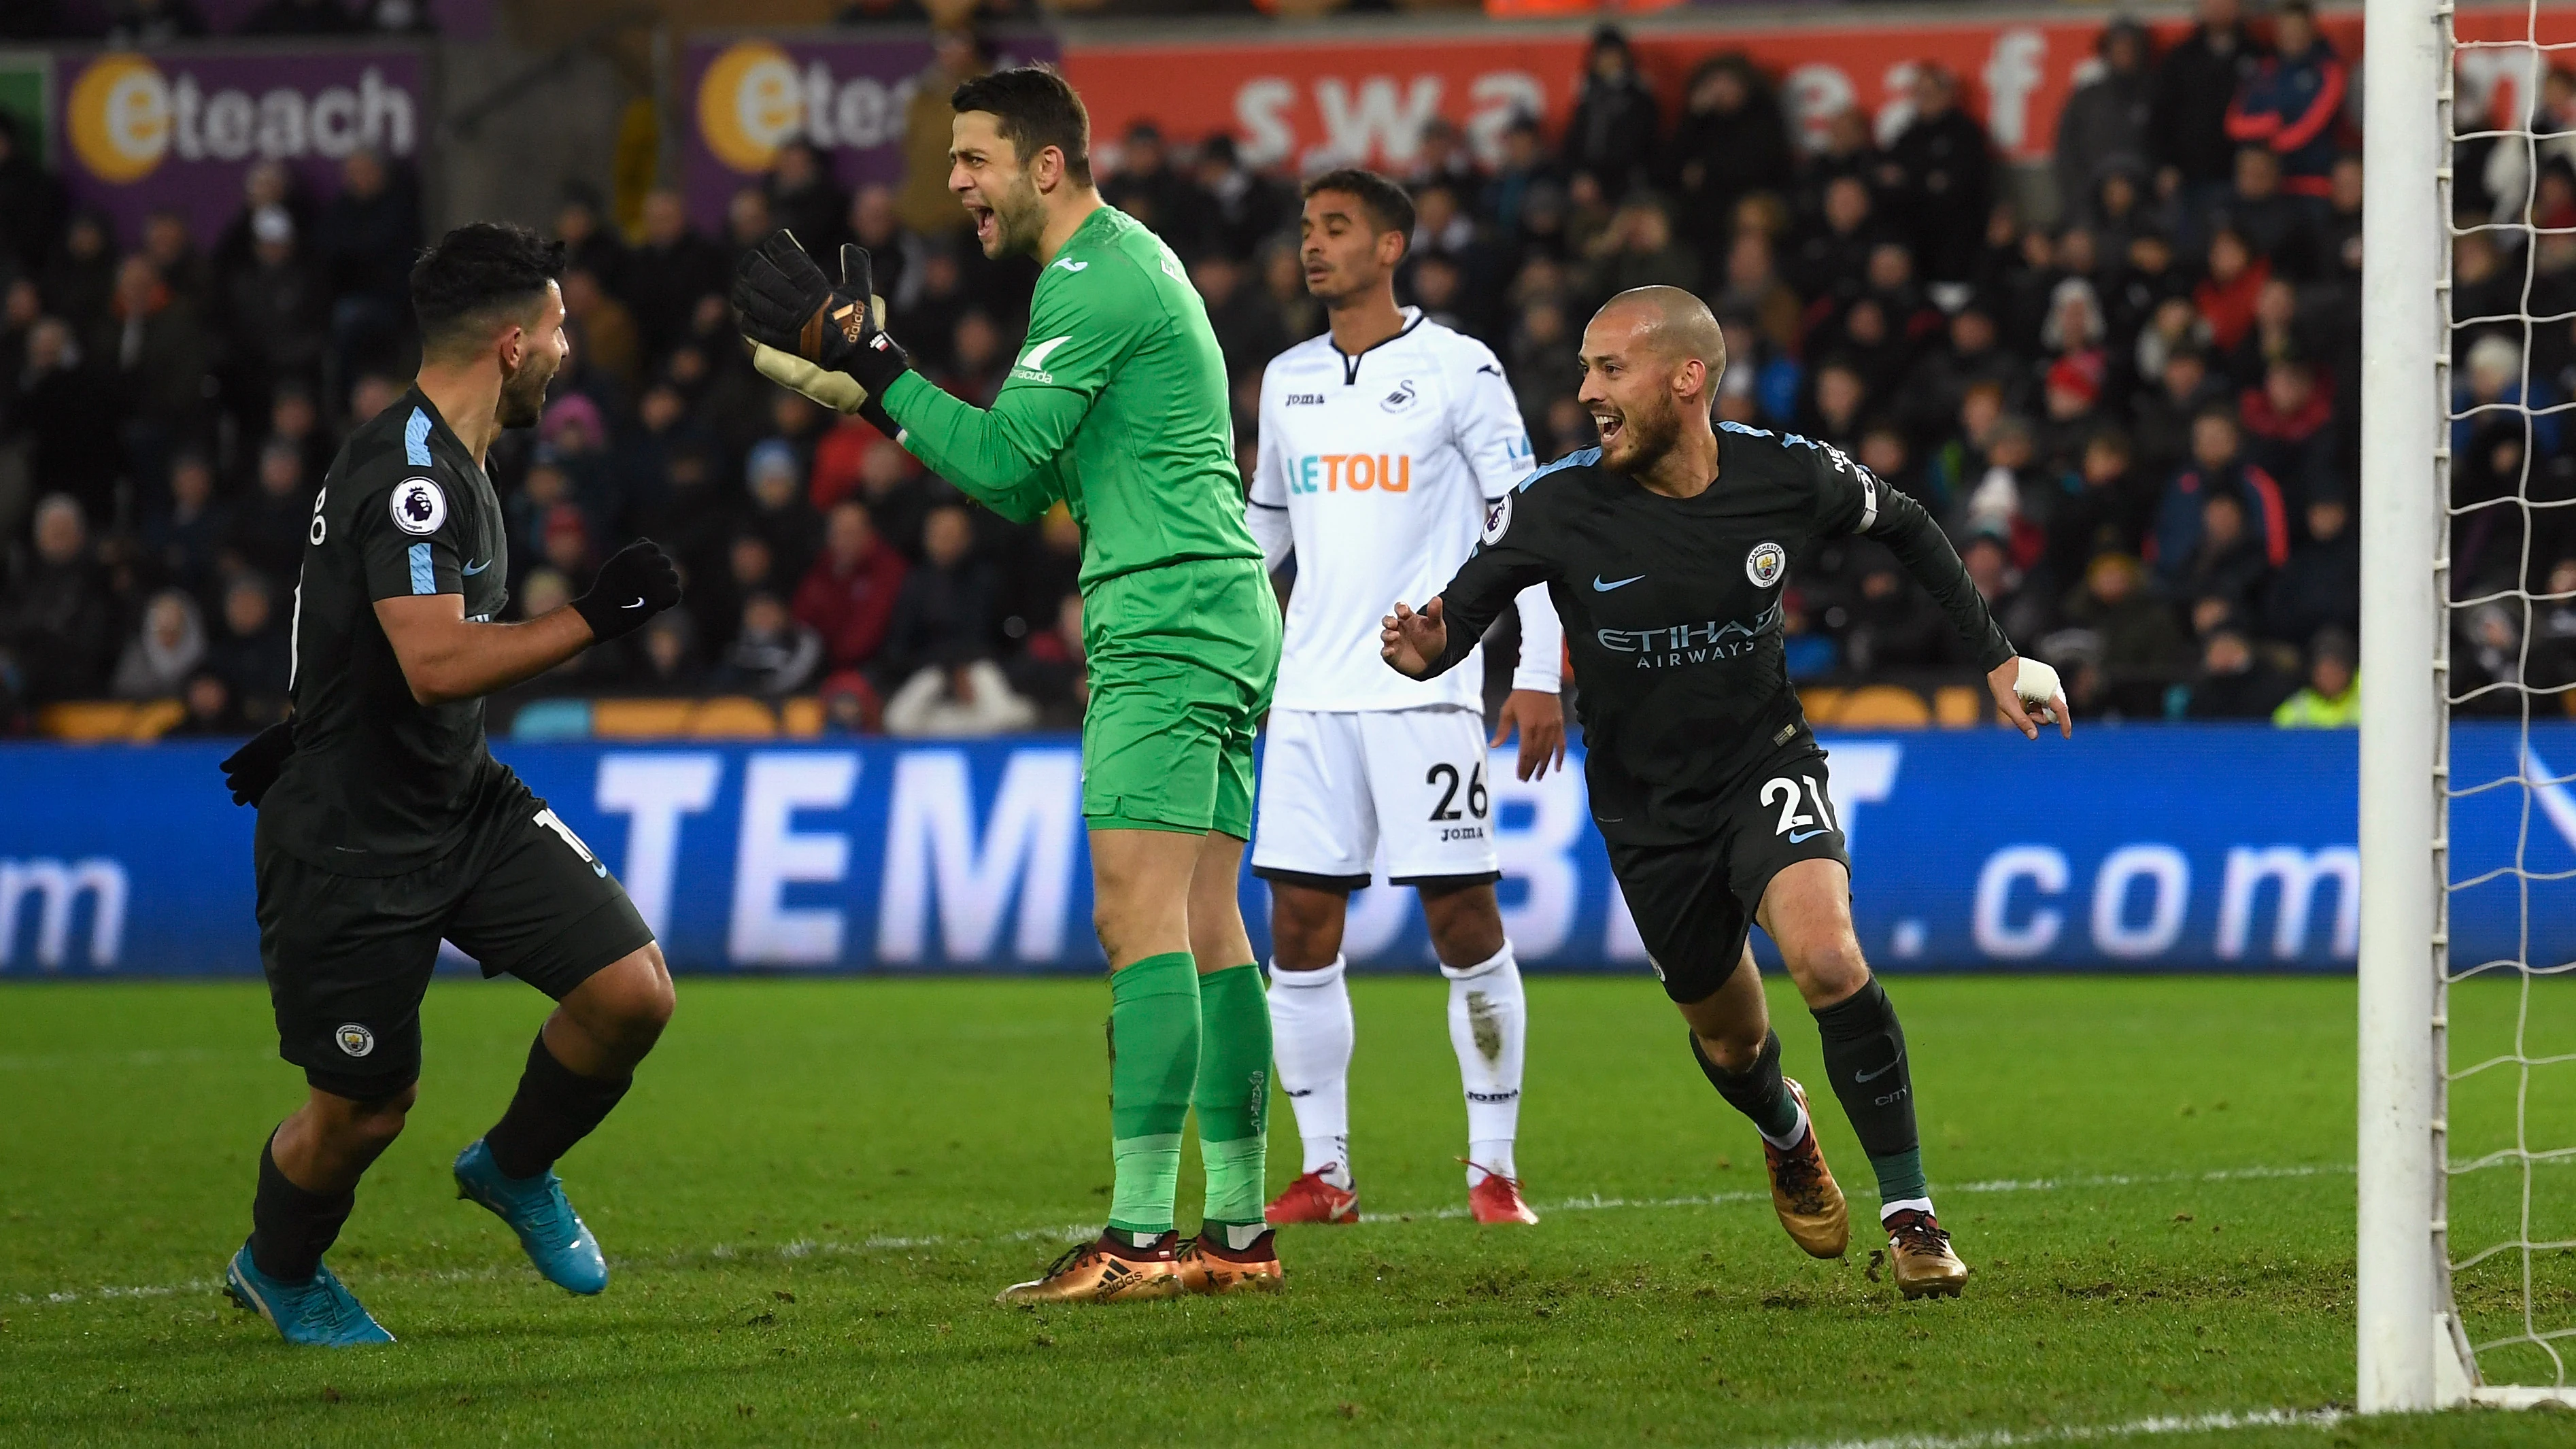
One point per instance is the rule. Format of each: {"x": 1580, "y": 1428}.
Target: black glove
{"x": 250, "y": 770}
{"x": 637, "y": 582}
{"x": 785, "y": 302}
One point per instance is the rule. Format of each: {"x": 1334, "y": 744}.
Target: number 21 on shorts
{"x": 547, "y": 819}
{"x": 1795, "y": 823}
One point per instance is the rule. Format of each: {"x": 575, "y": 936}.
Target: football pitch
{"x": 816, "y": 1187}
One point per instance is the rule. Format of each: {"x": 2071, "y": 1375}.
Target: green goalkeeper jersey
{"x": 1117, "y": 405}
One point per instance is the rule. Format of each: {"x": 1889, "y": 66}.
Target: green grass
{"x": 816, "y": 1187}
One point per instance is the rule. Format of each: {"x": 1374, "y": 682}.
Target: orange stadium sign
{"x": 1366, "y": 97}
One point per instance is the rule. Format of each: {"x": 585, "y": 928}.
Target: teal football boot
{"x": 318, "y": 1311}
{"x": 536, "y": 1209}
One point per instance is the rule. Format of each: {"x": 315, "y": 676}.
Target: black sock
{"x": 552, "y": 1110}
{"x": 1757, "y": 1091}
{"x": 1865, "y": 1057}
{"x": 290, "y": 1229}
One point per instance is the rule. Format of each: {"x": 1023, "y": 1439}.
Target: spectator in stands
{"x": 65, "y": 413}
{"x": 779, "y": 512}
{"x": 1611, "y": 134}
{"x": 2107, "y": 509}
{"x": 175, "y": 259}
{"x": 1149, "y": 187}
{"x": 296, "y": 420}
{"x": 2227, "y": 563}
{"x": 32, "y": 202}
{"x": 80, "y": 280}
{"x": 923, "y": 200}
{"x": 849, "y": 595}
{"x": 2196, "y": 83}
{"x": 1730, "y": 142}
{"x": 159, "y": 353}
{"x": 253, "y": 653}
{"x": 2320, "y": 587}
{"x": 268, "y": 528}
{"x": 162, "y": 655}
{"x": 2287, "y": 424}
{"x": 2235, "y": 682}
{"x": 2228, "y": 290}
{"x": 2278, "y": 226}
{"x": 300, "y": 17}
{"x": 56, "y": 622}
{"x": 2553, "y": 630}
{"x": 961, "y": 701}
{"x": 277, "y": 311}
{"x": 210, "y": 707}
{"x": 365, "y": 244}
{"x": 1893, "y": 623}
{"x": 666, "y": 659}
{"x": 944, "y": 613}
{"x": 2102, "y": 130}
{"x": 2293, "y": 102}
{"x": 772, "y": 654}
{"x": 806, "y": 198}
{"x": 1051, "y": 672}
{"x": 2217, "y": 466}
{"x": 1939, "y": 173}
{"x": 604, "y": 334}
{"x": 183, "y": 537}
{"x": 669, "y": 271}
{"x": 2331, "y": 699}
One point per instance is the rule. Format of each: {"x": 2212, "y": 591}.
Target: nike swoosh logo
{"x": 470, "y": 570}
{"x": 1882, "y": 1071}
{"x": 1599, "y": 587}
{"x": 639, "y": 603}
{"x": 1801, "y": 837}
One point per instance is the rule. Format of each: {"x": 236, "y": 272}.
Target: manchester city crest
{"x": 1765, "y": 564}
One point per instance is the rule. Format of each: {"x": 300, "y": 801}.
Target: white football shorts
{"x": 1334, "y": 784}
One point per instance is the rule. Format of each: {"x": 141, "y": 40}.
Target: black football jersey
{"x": 1672, "y": 610}
{"x": 380, "y": 783}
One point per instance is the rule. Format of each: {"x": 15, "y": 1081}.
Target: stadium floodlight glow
{"x": 2431, "y": 1212}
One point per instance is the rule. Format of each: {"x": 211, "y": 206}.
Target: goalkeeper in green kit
{"x": 1118, "y": 407}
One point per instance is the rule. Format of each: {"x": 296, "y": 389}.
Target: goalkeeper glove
{"x": 250, "y": 770}
{"x": 637, "y": 582}
{"x": 786, "y": 304}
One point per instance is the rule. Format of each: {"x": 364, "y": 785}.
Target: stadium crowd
{"x": 2136, "y": 421}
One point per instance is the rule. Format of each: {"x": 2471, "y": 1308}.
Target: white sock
{"x": 1796, "y": 1135}
{"x": 1921, "y": 1205}
{"x": 1488, "y": 1020}
{"x": 1310, "y": 1038}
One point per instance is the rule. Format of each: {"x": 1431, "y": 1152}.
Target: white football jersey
{"x": 1383, "y": 463}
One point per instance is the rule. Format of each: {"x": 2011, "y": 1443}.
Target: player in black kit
{"x": 385, "y": 824}
{"x": 1666, "y": 549}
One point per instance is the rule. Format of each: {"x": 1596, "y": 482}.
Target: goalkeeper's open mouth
{"x": 984, "y": 220}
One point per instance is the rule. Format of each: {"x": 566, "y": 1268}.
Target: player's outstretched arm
{"x": 446, "y": 657}
{"x": 1412, "y": 643}
{"x": 2024, "y": 689}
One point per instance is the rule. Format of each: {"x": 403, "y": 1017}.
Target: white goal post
{"x": 2414, "y": 1351}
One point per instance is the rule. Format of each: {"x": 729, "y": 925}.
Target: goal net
{"x": 2467, "y": 1189}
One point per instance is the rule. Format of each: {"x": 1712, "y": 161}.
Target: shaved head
{"x": 1651, "y": 358}
{"x": 1672, "y": 324}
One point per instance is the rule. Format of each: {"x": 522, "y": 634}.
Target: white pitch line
{"x": 1596, "y": 1202}
{"x": 2095, "y": 1433}
{"x": 808, "y": 1247}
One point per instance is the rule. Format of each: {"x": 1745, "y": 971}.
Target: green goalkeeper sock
{"x": 1153, "y": 1058}
{"x": 1233, "y": 1097}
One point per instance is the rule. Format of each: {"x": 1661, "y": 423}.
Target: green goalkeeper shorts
{"x": 1182, "y": 661}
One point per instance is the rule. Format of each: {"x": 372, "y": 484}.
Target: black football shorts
{"x": 349, "y": 958}
{"x": 1695, "y": 902}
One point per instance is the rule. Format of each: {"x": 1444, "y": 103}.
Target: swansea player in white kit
{"x": 1382, "y": 444}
